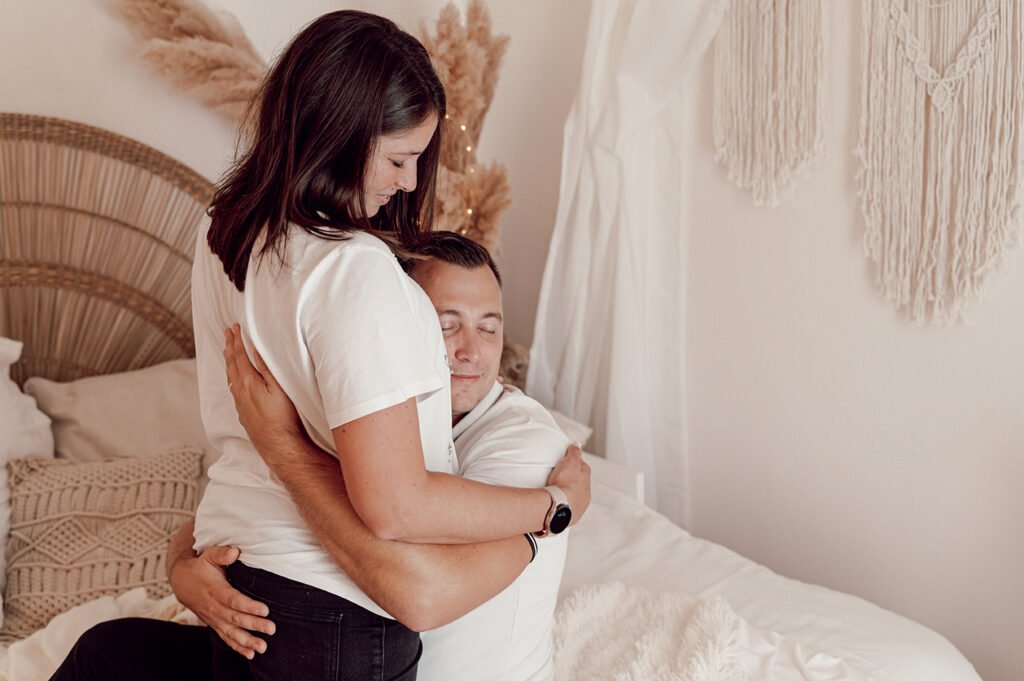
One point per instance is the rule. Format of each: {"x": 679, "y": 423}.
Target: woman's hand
{"x": 200, "y": 585}
{"x": 572, "y": 476}
{"x": 263, "y": 407}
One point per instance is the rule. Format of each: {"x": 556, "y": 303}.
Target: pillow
{"x": 26, "y": 432}
{"x": 126, "y": 414}
{"x": 574, "y": 430}
{"x": 84, "y": 530}
{"x": 26, "y": 429}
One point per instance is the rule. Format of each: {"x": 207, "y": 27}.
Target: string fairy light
{"x": 470, "y": 166}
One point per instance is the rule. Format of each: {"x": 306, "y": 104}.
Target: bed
{"x": 95, "y": 235}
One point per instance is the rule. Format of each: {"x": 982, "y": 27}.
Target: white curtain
{"x": 609, "y": 343}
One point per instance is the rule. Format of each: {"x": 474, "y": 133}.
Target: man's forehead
{"x": 454, "y": 283}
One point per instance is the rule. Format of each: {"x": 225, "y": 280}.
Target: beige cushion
{"x": 84, "y": 530}
{"x": 127, "y": 414}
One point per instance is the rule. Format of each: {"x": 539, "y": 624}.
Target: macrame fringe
{"x": 940, "y": 153}
{"x": 769, "y": 93}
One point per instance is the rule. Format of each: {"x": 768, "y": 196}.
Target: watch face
{"x": 560, "y": 519}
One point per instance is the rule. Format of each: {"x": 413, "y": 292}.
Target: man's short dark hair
{"x": 452, "y": 248}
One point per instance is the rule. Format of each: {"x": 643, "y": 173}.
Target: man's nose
{"x": 468, "y": 349}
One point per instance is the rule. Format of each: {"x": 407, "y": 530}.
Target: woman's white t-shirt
{"x": 346, "y": 333}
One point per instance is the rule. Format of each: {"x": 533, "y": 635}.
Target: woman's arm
{"x": 391, "y": 491}
{"x": 398, "y": 499}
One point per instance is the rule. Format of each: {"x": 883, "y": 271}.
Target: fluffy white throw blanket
{"x": 610, "y": 632}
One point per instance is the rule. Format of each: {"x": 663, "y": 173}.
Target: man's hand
{"x": 572, "y": 476}
{"x": 200, "y": 585}
{"x": 263, "y": 407}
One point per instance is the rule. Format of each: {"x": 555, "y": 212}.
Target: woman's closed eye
{"x": 397, "y": 164}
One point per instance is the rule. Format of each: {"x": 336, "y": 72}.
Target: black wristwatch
{"x": 559, "y": 514}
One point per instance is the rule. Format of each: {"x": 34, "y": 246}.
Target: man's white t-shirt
{"x": 511, "y": 440}
{"x": 346, "y": 333}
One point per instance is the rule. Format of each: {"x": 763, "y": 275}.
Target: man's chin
{"x": 464, "y": 404}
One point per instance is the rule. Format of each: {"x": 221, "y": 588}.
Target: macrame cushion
{"x": 84, "y": 530}
{"x": 126, "y": 414}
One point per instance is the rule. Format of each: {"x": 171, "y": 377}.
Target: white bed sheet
{"x": 796, "y": 630}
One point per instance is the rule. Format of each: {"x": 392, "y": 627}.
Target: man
{"x": 502, "y": 437}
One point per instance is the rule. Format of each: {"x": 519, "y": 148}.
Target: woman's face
{"x": 393, "y": 164}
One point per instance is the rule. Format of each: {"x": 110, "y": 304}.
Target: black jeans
{"x": 319, "y": 636}
{"x": 154, "y": 650}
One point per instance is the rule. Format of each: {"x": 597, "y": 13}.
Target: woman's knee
{"x": 91, "y": 655}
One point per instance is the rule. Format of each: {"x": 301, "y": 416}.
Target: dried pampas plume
{"x": 205, "y": 53}
{"x": 467, "y": 57}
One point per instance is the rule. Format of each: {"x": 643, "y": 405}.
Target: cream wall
{"x": 834, "y": 441}
{"x": 72, "y": 59}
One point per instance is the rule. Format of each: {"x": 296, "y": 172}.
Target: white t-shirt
{"x": 346, "y": 333}
{"x": 508, "y": 439}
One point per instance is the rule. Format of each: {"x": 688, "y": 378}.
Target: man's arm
{"x": 199, "y": 583}
{"x": 424, "y": 586}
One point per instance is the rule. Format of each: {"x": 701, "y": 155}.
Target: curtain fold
{"x": 609, "y": 341}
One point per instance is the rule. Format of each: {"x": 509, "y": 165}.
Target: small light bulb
{"x": 469, "y": 211}
{"x": 469, "y": 148}
{"x": 462, "y": 127}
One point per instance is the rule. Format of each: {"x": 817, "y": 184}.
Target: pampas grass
{"x": 467, "y": 58}
{"x": 206, "y": 54}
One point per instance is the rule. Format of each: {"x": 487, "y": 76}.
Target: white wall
{"x": 72, "y": 59}
{"x": 834, "y": 441}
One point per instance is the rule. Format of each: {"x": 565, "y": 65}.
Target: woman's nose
{"x": 407, "y": 177}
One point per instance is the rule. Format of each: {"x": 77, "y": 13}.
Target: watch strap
{"x": 558, "y": 498}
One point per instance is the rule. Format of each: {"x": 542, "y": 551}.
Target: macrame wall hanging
{"x": 940, "y": 146}
{"x": 769, "y": 93}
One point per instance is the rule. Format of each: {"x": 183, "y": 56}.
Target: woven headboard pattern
{"x": 96, "y": 239}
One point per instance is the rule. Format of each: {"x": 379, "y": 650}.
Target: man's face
{"x": 468, "y": 304}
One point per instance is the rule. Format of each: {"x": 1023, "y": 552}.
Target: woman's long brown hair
{"x": 345, "y": 80}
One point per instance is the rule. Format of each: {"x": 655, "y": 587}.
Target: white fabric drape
{"x": 609, "y": 343}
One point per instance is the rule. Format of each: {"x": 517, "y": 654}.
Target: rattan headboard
{"x": 96, "y": 239}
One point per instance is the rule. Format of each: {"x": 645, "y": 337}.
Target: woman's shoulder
{"x": 314, "y": 251}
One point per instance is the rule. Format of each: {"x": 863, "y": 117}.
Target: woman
{"x": 341, "y": 169}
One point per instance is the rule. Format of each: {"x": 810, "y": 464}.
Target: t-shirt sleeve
{"x": 519, "y": 453}
{"x": 373, "y": 338}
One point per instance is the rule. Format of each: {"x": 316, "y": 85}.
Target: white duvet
{"x": 794, "y": 630}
